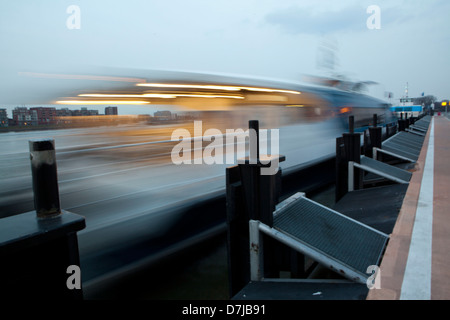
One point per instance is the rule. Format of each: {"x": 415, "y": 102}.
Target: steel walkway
{"x": 406, "y": 145}
{"x": 379, "y": 168}
{"x": 340, "y": 243}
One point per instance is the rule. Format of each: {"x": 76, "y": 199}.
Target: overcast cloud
{"x": 279, "y": 39}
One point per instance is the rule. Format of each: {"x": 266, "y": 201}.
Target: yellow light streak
{"x": 188, "y": 86}
{"x": 215, "y": 87}
{"x": 147, "y": 95}
{"x": 267, "y": 97}
{"x": 155, "y": 95}
{"x": 269, "y": 90}
{"x": 208, "y": 96}
{"x": 102, "y": 102}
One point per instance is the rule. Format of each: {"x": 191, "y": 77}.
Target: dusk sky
{"x": 262, "y": 38}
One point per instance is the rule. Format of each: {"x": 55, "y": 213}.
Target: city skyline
{"x": 145, "y": 111}
{"x": 122, "y": 110}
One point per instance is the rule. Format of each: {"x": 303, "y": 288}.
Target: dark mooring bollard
{"x": 401, "y": 123}
{"x": 350, "y": 151}
{"x": 39, "y": 249}
{"x": 44, "y": 177}
{"x": 250, "y": 196}
{"x": 376, "y": 138}
{"x": 391, "y": 129}
{"x": 407, "y": 121}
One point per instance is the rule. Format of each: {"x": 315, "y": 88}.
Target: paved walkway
{"x": 416, "y": 264}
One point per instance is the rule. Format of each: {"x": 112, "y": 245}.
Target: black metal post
{"x": 237, "y": 233}
{"x": 253, "y": 126}
{"x": 375, "y": 134}
{"x": 394, "y": 129}
{"x": 341, "y": 170}
{"x": 250, "y": 196}
{"x": 389, "y": 130}
{"x": 260, "y": 190}
{"x": 401, "y": 123}
{"x": 352, "y": 146}
{"x": 350, "y": 151}
{"x": 351, "y": 124}
{"x": 44, "y": 177}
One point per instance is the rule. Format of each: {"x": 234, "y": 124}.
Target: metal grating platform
{"x": 410, "y": 139}
{"x": 384, "y": 170}
{"x": 401, "y": 147}
{"x": 416, "y": 131}
{"x": 423, "y": 123}
{"x": 410, "y": 136}
{"x": 420, "y": 128}
{"x": 332, "y": 234}
{"x": 394, "y": 151}
{"x": 406, "y": 145}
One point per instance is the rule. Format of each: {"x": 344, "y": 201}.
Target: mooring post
{"x": 260, "y": 190}
{"x": 388, "y": 130}
{"x": 260, "y": 194}
{"x": 250, "y": 196}
{"x": 253, "y": 126}
{"x": 391, "y": 129}
{"x": 366, "y": 142}
{"x": 39, "y": 249}
{"x": 341, "y": 170}
{"x": 375, "y": 134}
{"x": 351, "y": 151}
{"x": 407, "y": 121}
{"x": 401, "y": 123}
{"x": 395, "y": 129}
{"x": 44, "y": 178}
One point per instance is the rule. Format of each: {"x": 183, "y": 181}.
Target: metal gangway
{"x": 405, "y": 145}
{"x": 341, "y": 244}
{"x": 378, "y": 168}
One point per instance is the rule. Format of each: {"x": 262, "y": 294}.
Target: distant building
{"x": 84, "y": 112}
{"x": 64, "y": 112}
{"x": 24, "y": 117}
{"x": 45, "y": 115}
{"x": 144, "y": 117}
{"x": 162, "y": 115}
{"x": 111, "y": 111}
{"x": 3, "y": 118}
